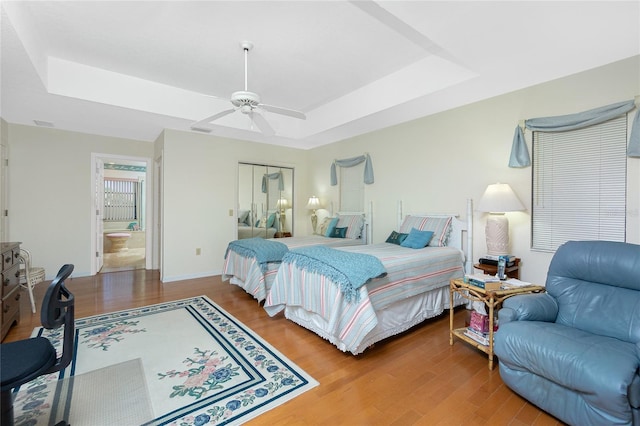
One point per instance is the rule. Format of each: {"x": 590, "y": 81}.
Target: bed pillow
{"x": 243, "y": 216}
{"x": 417, "y": 239}
{"x": 441, "y": 227}
{"x": 396, "y": 238}
{"x": 338, "y": 232}
{"x": 331, "y": 227}
{"x": 271, "y": 220}
{"x": 322, "y": 226}
{"x": 354, "y": 224}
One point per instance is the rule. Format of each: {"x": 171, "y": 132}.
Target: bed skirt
{"x": 394, "y": 319}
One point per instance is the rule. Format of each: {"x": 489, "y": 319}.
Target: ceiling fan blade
{"x": 212, "y": 118}
{"x": 284, "y": 111}
{"x": 262, "y": 124}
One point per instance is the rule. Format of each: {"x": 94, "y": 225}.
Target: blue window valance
{"x": 276, "y": 175}
{"x": 520, "y": 154}
{"x": 350, "y": 162}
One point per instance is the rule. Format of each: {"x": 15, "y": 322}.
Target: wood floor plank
{"x": 415, "y": 378}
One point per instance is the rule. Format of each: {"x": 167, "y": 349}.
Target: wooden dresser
{"x": 10, "y": 286}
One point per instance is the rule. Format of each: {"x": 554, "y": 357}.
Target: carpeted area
{"x": 200, "y": 364}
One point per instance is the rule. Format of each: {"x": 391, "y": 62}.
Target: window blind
{"x": 579, "y": 185}
{"x": 121, "y": 199}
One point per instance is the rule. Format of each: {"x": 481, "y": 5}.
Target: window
{"x": 352, "y": 188}
{"x": 579, "y": 185}
{"x": 121, "y": 199}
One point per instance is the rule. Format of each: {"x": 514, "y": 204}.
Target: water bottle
{"x": 502, "y": 263}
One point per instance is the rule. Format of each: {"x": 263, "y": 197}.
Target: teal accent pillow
{"x": 396, "y": 238}
{"x": 271, "y": 220}
{"x": 331, "y": 227}
{"x": 417, "y": 239}
{"x": 339, "y": 232}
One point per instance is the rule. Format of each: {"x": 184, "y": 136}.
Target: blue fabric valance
{"x": 520, "y": 154}
{"x": 276, "y": 175}
{"x": 350, "y": 162}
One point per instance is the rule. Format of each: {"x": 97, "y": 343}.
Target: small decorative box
{"x": 479, "y": 322}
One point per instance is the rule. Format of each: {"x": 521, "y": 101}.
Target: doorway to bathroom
{"x": 121, "y": 231}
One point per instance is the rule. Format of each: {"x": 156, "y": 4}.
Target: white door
{"x": 99, "y": 208}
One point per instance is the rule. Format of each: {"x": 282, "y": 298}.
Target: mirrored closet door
{"x": 265, "y": 201}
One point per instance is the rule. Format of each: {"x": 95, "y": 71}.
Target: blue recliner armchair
{"x": 574, "y": 351}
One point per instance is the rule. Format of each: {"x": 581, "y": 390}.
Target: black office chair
{"x": 24, "y": 360}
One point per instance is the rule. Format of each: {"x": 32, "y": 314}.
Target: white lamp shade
{"x": 499, "y": 198}
{"x": 282, "y": 203}
{"x": 314, "y": 203}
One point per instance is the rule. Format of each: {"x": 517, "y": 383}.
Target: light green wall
{"x": 435, "y": 163}
{"x": 201, "y": 172}
{"x": 4, "y": 149}
{"x": 431, "y": 164}
{"x": 50, "y": 192}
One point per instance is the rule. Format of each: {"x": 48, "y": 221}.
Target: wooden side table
{"x": 510, "y": 272}
{"x": 492, "y": 299}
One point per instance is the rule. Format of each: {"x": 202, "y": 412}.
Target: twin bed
{"x": 414, "y": 288}
{"x": 244, "y": 270}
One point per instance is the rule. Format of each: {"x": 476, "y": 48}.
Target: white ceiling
{"x": 131, "y": 69}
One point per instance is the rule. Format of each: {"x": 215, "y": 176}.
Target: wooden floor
{"x": 416, "y": 378}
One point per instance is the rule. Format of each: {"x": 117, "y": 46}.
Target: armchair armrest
{"x": 529, "y": 307}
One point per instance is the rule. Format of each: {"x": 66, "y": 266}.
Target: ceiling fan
{"x": 249, "y": 103}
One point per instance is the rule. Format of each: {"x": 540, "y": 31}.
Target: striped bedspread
{"x": 409, "y": 272}
{"x": 263, "y": 250}
{"x": 256, "y": 279}
{"x": 349, "y": 270}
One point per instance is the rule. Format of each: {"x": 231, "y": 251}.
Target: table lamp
{"x": 498, "y": 199}
{"x": 313, "y": 204}
{"x": 282, "y": 205}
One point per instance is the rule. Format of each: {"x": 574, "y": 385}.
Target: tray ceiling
{"x": 132, "y": 69}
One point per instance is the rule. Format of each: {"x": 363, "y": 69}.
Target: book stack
{"x": 490, "y": 259}
{"x": 478, "y": 336}
{"x": 487, "y": 282}
{"x": 478, "y": 329}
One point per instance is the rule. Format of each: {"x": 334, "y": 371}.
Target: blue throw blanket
{"x": 264, "y": 251}
{"x": 349, "y": 270}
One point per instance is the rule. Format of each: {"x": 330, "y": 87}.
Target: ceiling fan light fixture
{"x": 246, "y": 102}
{"x": 242, "y": 98}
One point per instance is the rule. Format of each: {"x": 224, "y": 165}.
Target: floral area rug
{"x": 201, "y": 365}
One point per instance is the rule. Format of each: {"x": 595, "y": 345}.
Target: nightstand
{"x": 492, "y": 300}
{"x": 511, "y": 272}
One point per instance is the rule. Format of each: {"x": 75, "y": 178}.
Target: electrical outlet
{"x": 198, "y": 251}
{"x": 230, "y": 212}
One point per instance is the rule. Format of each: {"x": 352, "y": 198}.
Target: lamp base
{"x": 314, "y": 221}
{"x": 283, "y": 220}
{"x": 497, "y": 234}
